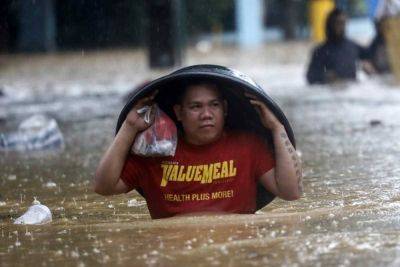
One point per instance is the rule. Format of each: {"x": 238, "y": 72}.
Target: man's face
{"x": 340, "y": 26}
{"x": 201, "y": 114}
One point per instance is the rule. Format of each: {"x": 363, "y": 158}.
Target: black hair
{"x": 183, "y": 88}
{"x": 330, "y": 24}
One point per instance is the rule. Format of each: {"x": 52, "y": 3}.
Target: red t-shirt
{"x": 218, "y": 177}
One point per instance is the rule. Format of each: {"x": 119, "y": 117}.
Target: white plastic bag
{"x": 36, "y": 214}
{"x": 38, "y": 132}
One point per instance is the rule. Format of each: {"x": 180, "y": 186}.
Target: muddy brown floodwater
{"x": 347, "y": 135}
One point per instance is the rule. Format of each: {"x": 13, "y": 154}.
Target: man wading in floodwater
{"x": 214, "y": 170}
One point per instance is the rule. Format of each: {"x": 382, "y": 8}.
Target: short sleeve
{"x": 132, "y": 171}
{"x": 264, "y": 157}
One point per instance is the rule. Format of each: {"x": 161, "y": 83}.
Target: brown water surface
{"x": 347, "y": 135}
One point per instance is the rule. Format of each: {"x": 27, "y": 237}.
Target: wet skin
{"x": 202, "y": 114}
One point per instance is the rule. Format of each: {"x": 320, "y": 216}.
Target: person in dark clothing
{"x": 377, "y": 52}
{"x": 336, "y": 58}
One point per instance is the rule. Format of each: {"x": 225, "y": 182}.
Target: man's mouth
{"x": 205, "y": 126}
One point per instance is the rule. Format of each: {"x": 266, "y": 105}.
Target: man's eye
{"x": 194, "y": 107}
{"x": 215, "y": 104}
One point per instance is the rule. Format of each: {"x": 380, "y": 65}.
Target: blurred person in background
{"x": 377, "y": 52}
{"x": 336, "y": 59}
{"x": 387, "y": 8}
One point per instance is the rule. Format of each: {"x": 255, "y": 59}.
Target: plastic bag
{"x": 160, "y": 139}
{"x": 38, "y": 132}
{"x": 36, "y": 214}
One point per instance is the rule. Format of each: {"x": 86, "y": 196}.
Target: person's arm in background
{"x": 285, "y": 180}
{"x": 365, "y": 55}
{"x": 107, "y": 177}
{"x": 363, "y": 52}
{"x": 316, "y": 69}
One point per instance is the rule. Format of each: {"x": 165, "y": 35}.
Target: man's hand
{"x": 368, "y": 67}
{"x": 136, "y": 120}
{"x": 107, "y": 177}
{"x": 267, "y": 118}
{"x": 285, "y": 180}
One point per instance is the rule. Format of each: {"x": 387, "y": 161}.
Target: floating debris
{"x": 224, "y": 250}
{"x": 35, "y": 201}
{"x": 135, "y": 203}
{"x": 36, "y": 214}
{"x": 374, "y": 123}
{"x": 50, "y": 184}
{"x": 38, "y": 132}
{"x": 12, "y": 177}
{"x": 132, "y": 202}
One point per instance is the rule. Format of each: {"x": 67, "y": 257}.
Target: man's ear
{"x": 225, "y": 105}
{"x": 178, "y": 110}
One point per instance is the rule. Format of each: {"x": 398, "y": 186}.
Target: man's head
{"x": 201, "y": 110}
{"x": 336, "y": 25}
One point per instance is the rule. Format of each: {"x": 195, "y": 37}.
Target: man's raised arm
{"x": 285, "y": 180}
{"x": 107, "y": 177}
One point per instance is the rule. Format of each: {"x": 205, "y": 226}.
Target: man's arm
{"x": 107, "y": 177}
{"x": 365, "y": 54}
{"x": 285, "y": 180}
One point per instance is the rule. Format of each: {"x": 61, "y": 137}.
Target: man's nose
{"x": 206, "y": 113}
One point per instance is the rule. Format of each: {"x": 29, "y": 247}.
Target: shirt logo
{"x": 197, "y": 173}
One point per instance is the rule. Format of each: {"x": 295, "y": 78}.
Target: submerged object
{"x": 37, "y": 132}
{"x": 36, "y": 214}
{"x": 233, "y": 84}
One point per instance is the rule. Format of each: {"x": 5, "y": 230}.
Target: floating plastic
{"x": 36, "y": 214}
{"x": 38, "y": 132}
